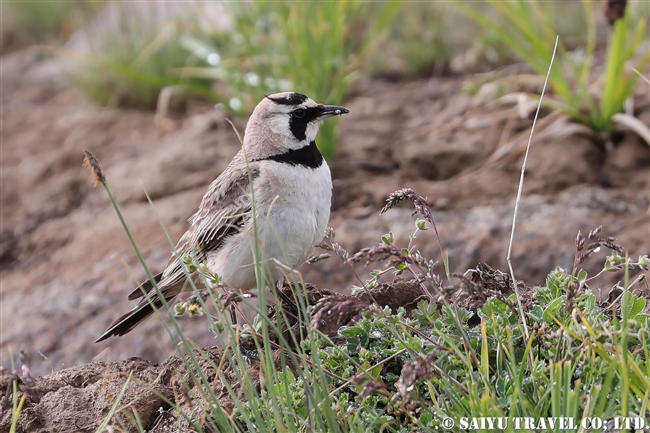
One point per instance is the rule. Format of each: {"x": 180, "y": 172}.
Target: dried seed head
{"x": 24, "y": 356}
{"x": 96, "y": 171}
{"x": 27, "y": 377}
{"x": 415, "y": 371}
{"x": 594, "y": 232}
{"x": 396, "y": 197}
{"x": 580, "y": 241}
{"x": 421, "y": 203}
{"x": 317, "y": 258}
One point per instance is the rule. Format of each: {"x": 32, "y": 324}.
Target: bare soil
{"x": 66, "y": 264}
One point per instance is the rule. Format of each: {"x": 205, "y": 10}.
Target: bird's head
{"x": 287, "y": 121}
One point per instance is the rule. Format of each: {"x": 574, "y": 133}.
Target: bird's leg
{"x": 286, "y": 298}
{"x": 233, "y": 314}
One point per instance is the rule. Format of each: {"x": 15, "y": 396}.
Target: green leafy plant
{"x": 526, "y": 27}
{"x": 316, "y": 48}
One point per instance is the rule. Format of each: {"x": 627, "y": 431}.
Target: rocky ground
{"x": 66, "y": 263}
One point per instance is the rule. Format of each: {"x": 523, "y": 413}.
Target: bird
{"x": 276, "y": 192}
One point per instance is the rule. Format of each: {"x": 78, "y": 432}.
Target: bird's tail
{"x": 144, "y": 288}
{"x": 145, "y": 307}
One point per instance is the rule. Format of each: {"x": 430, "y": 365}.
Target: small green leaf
{"x": 644, "y": 319}
{"x": 582, "y": 276}
{"x": 180, "y": 309}
{"x": 351, "y": 331}
{"x": 412, "y": 343}
{"x": 637, "y": 306}
{"x": 551, "y": 310}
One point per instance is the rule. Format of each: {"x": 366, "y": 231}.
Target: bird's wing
{"x": 223, "y": 212}
{"x": 225, "y": 208}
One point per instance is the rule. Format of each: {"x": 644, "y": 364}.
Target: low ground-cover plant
{"x": 433, "y": 37}
{"x": 408, "y": 372}
{"x": 526, "y": 27}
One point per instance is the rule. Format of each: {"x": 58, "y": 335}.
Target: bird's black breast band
{"x": 308, "y": 156}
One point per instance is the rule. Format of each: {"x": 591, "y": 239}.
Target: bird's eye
{"x": 299, "y": 113}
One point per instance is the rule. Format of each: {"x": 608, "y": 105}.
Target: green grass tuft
{"x": 528, "y": 29}
{"x": 316, "y": 48}
{"x": 131, "y": 53}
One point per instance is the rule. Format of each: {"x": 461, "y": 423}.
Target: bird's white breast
{"x": 292, "y": 207}
{"x": 297, "y": 201}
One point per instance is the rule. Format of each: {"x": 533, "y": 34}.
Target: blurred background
{"x": 442, "y": 99}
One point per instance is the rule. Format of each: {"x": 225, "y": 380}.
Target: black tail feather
{"x": 143, "y": 288}
{"x": 130, "y": 320}
{"x": 143, "y": 310}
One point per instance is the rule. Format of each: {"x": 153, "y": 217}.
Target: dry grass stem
{"x": 521, "y": 187}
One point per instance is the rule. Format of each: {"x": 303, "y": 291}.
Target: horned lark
{"x": 287, "y": 205}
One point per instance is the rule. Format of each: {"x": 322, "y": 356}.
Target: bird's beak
{"x": 332, "y": 110}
